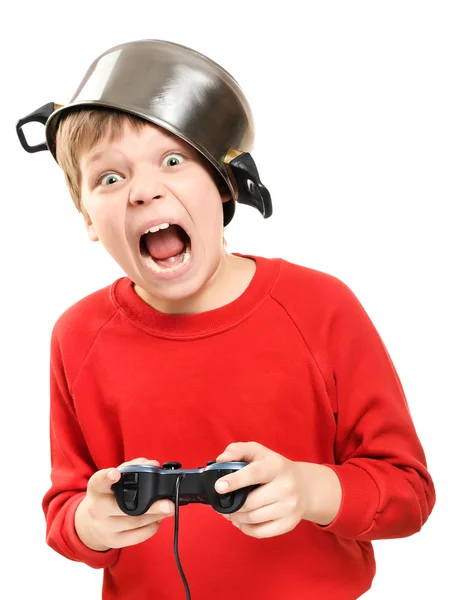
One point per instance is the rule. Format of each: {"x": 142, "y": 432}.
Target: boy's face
{"x": 144, "y": 179}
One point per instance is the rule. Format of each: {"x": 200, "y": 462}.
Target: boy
{"x": 199, "y": 354}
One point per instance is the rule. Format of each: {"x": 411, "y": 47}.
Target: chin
{"x": 176, "y": 287}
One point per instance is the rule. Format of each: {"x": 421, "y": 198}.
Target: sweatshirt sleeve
{"x": 387, "y": 490}
{"x": 71, "y": 468}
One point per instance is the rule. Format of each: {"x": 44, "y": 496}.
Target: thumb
{"x": 101, "y": 481}
{"x": 243, "y": 451}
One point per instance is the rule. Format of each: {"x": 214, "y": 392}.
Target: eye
{"x": 172, "y": 160}
{"x": 110, "y": 178}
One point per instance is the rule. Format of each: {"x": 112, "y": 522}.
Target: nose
{"x": 146, "y": 187}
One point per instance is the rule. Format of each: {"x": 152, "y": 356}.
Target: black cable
{"x": 175, "y": 537}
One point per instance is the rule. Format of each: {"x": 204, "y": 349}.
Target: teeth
{"x": 157, "y": 269}
{"x": 156, "y": 228}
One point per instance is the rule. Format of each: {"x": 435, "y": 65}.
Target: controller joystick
{"x": 172, "y": 466}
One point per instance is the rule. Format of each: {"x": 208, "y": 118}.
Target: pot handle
{"x": 40, "y": 116}
{"x": 250, "y": 189}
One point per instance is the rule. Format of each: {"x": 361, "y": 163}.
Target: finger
{"x": 270, "y": 512}
{"x": 268, "y": 529}
{"x": 243, "y": 451}
{"x": 101, "y": 481}
{"x": 128, "y": 523}
{"x": 140, "y": 461}
{"x": 160, "y": 509}
{"x": 106, "y": 505}
{"x": 131, "y": 538}
{"x": 102, "y": 485}
{"x": 163, "y": 507}
{"x": 262, "y": 496}
{"x": 258, "y": 472}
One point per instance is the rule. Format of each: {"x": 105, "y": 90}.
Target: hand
{"x": 101, "y": 525}
{"x": 289, "y": 491}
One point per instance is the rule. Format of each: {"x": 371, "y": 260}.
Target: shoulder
{"x": 77, "y": 328}
{"x": 308, "y": 287}
{"x": 87, "y": 314}
{"x": 321, "y": 305}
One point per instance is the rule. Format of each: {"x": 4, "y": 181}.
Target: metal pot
{"x": 182, "y": 91}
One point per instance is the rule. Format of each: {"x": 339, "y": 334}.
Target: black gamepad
{"x": 141, "y": 485}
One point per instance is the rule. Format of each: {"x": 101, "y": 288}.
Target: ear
{"x": 89, "y": 226}
{"x": 224, "y": 190}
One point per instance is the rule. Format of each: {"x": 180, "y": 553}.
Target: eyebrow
{"x": 97, "y": 156}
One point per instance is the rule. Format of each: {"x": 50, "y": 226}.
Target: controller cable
{"x": 175, "y": 537}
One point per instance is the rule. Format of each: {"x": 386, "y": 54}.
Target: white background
{"x": 351, "y": 102}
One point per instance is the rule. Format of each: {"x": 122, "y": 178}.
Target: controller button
{"x": 130, "y": 478}
{"x": 130, "y": 499}
{"x": 226, "y": 500}
{"x": 172, "y": 466}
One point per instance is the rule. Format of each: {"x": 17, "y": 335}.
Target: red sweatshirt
{"x": 295, "y": 364}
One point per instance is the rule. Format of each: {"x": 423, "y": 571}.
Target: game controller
{"x": 140, "y": 486}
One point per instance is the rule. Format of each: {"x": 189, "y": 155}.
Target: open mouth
{"x": 165, "y": 248}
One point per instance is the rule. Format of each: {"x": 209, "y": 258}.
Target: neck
{"x": 230, "y": 280}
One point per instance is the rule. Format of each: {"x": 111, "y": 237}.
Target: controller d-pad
{"x": 130, "y": 479}
{"x": 130, "y": 490}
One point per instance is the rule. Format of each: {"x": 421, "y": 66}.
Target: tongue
{"x": 164, "y": 243}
